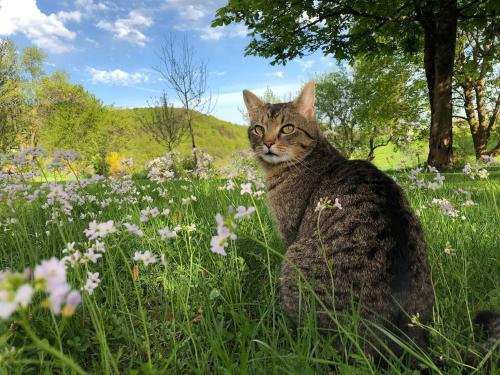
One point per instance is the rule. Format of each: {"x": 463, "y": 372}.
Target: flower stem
{"x": 50, "y": 349}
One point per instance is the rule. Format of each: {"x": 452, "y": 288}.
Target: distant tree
{"x": 391, "y": 101}
{"x": 164, "y": 123}
{"x": 284, "y": 30}
{"x": 335, "y": 106}
{"x": 378, "y": 102}
{"x": 74, "y": 118}
{"x": 478, "y": 87}
{"x": 11, "y": 95}
{"x": 187, "y": 77}
{"x": 32, "y": 60}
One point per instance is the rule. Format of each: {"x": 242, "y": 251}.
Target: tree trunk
{"x": 193, "y": 143}
{"x": 484, "y": 132}
{"x": 472, "y": 119}
{"x": 495, "y": 151}
{"x": 191, "y": 132}
{"x": 371, "y": 150}
{"x": 439, "y": 54}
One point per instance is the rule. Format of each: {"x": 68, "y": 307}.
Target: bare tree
{"x": 164, "y": 123}
{"x": 187, "y": 76}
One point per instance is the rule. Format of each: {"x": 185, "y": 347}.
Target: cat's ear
{"x": 252, "y": 102}
{"x": 304, "y": 103}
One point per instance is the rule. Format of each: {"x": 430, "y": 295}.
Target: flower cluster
{"x": 146, "y": 257}
{"x": 163, "y": 168}
{"x": 50, "y": 275}
{"x": 474, "y": 171}
{"x": 226, "y": 228}
{"x": 327, "y": 203}
{"x": 100, "y": 230}
{"x": 148, "y": 213}
{"x": 418, "y": 180}
{"x": 17, "y": 290}
{"x": 203, "y": 167}
{"x": 445, "y": 206}
{"x": 62, "y": 159}
{"x": 92, "y": 282}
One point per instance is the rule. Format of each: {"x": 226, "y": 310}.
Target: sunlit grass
{"x": 199, "y": 312}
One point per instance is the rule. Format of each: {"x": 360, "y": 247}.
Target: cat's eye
{"x": 288, "y": 129}
{"x": 259, "y": 130}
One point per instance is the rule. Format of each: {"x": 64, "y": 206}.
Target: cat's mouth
{"x": 273, "y": 158}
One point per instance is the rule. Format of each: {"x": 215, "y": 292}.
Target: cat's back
{"x": 374, "y": 230}
{"x": 365, "y": 193}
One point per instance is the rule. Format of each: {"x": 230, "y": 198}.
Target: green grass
{"x": 201, "y": 313}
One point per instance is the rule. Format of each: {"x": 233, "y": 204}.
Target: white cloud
{"x": 217, "y": 33}
{"x": 130, "y": 28}
{"x": 89, "y": 6}
{"x": 328, "y": 60}
{"x": 69, "y": 16}
{"x": 196, "y": 15}
{"x": 116, "y": 77}
{"x": 194, "y": 10}
{"x": 278, "y": 74}
{"x": 305, "y": 64}
{"x": 45, "y": 31}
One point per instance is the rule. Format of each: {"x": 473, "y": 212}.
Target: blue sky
{"x": 110, "y": 47}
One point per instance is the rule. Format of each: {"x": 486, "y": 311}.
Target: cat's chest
{"x": 288, "y": 201}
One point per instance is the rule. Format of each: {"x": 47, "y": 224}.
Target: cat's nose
{"x": 269, "y": 143}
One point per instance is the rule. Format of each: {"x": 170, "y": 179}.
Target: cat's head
{"x": 284, "y": 132}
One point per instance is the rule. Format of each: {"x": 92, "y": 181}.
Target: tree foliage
{"x": 377, "y": 102}
{"x": 34, "y": 105}
{"x": 74, "y": 117}
{"x": 11, "y": 95}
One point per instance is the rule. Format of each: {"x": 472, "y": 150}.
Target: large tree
{"x": 32, "y": 61}
{"x": 335, "y": 108}
{"x": 284, "y": 30}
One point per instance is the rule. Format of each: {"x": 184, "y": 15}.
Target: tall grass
{"x": 199, "y": 312}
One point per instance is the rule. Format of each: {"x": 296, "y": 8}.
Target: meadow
{"x": 146, "y": 287}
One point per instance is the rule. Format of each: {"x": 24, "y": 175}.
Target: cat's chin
{"x": 274, "y": 159}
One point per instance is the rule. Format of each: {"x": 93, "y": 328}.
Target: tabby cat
{"x": 369, "y": 250}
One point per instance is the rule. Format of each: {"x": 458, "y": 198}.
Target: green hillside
{"x": 126, "y": 137}
{"x": 219, "y": 138}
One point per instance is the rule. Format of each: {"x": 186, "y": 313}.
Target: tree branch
{"x": 494, "y": 114}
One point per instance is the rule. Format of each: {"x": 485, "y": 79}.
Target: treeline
{"x": 36, "y": 106}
